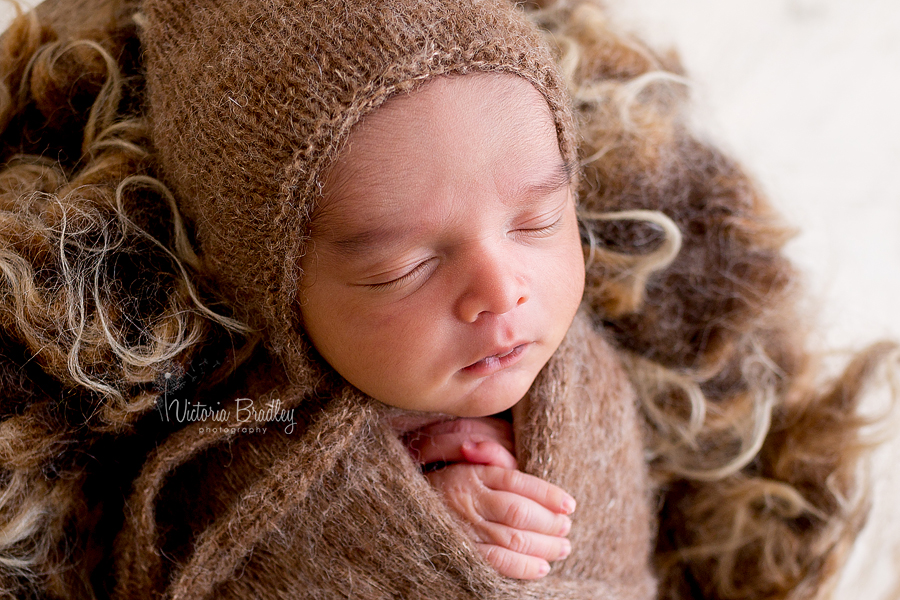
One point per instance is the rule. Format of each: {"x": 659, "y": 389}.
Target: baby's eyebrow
{"x": 363, "y": 242}
{"x": 560, "y": 176}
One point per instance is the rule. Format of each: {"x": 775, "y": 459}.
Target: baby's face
{"x": 445, "y": 265}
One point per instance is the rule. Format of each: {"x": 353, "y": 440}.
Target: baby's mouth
{"x": 496, "y": 362}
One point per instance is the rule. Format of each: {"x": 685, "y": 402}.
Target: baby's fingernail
{"x": 566, "y": 549}
{"x": 543, "y": 569}
{"x": 567, "y": 526}
{"x": 568, "y": 505}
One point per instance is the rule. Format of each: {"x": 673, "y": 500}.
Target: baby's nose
{"x": 495, "y": 285}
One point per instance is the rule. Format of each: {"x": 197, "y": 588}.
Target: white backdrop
{"x": 806, "y": 93}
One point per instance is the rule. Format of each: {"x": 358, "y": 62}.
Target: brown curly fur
{"x": 82, "y": 364}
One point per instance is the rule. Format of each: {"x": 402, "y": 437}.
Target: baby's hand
{"x": 481, "y": 441}
{"x": 518, "y": 521}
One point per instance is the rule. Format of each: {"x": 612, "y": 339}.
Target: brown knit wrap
{"x": 338, "y": 509}
{"x": 252, "y": 101}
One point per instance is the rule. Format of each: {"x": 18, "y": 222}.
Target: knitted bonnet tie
{"x": 250, "y": 102}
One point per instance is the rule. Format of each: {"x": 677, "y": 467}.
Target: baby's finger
{"x": 490, "y": 427}
{"x": 461, "y": 447}
{"x": 511, "y": 564}
{"x": 487, "y": 428}
{"x": 437, "y": 448}
{"x": 488, "y": 453}
{"x": 544, "y": 493}
{"x": 518, "y": 512}
{"x": 548, "y": 547}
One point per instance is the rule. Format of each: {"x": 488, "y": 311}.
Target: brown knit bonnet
{"x": 251, "y": 101}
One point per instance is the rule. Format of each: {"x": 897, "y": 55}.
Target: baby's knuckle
{"x": 492, "y": 555}
{"x": 477, "y": 473}
{"x": 511, "y": 478}
{"x": 502, "y": 561}
{"x": 517, "y": 515}
{"x": 519, "y": 542}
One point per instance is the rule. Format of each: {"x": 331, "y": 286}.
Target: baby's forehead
{"x": 428, "y": 103}
{"x": 441, "y": 119}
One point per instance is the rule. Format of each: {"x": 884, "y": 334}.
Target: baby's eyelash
{"x": 417, "y": 272}
{"x": 542, "y": 231}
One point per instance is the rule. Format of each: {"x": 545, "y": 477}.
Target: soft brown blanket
{"x": 339, "y": 509}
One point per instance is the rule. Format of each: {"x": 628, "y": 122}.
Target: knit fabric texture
{"x": 251, "y": 102}
{"x": 338, "y": 508}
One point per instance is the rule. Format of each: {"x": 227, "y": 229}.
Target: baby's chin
{"x": 495, "y": 395}
{"x": 458, "y": 397}
{"x": 406, "y": 415}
